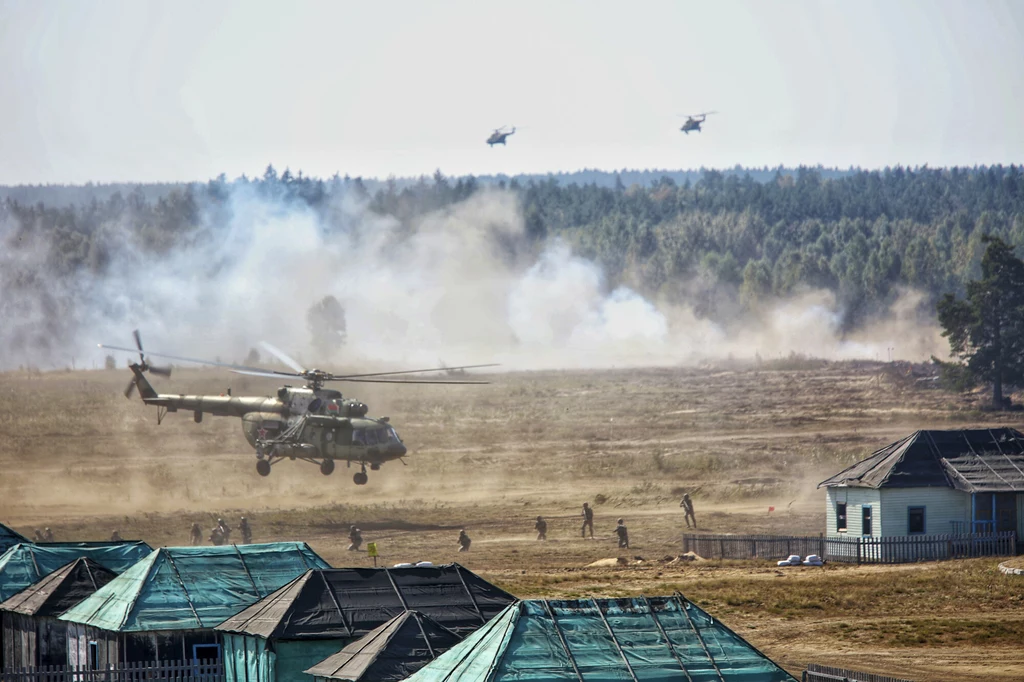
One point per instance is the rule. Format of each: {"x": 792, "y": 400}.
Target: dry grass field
{"x": 79, "y": 458}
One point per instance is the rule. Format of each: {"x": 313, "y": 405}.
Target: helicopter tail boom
{"x": 146, "y": 390}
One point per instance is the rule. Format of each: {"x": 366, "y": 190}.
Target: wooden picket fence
{"x": 859, "y": 550}
{"x": 148, "y": 671}
{"x": 827, "y": 673}
{"x": 752, "y": 546}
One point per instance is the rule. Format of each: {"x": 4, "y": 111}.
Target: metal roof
{"x": 973, "y": 460}
{"x": 62, "y": 589}
{"x": 25, "y": 564}
{"x": 350, "y": 602}
{"x": 391, "y": 652}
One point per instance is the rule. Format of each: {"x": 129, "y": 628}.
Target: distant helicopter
{"x": 499, "y": 135}
{"x": 694, "y": 121}
{"x": 313, "y": 424}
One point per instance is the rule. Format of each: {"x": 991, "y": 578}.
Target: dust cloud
{"x": 462, "y": 285}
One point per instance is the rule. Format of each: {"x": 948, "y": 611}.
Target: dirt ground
{"x": 79, "y": 458}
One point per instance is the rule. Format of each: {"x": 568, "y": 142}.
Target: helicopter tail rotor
{"x": 130, "y": 389}
{"x": 160, "y": 371}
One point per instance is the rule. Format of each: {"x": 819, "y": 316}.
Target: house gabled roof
{"x": 974, "y": 460}
{"x": 391, "y": 652}
{"x": 62, "y": 589}
{"x": 188, "y": 588}
{"x": 350, "y": 602}
{"x": 27, "y": 563}
{"x": 657, "y": 639}
{"x": 9, "y": 538}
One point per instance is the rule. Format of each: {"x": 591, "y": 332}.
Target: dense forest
{"x": 721, "y": 241}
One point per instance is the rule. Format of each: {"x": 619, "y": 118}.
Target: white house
{"x": 932, "y": 483}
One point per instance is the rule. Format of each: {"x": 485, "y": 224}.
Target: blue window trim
{"x": 924, "y": 521}
{"x": 846, "y": 518}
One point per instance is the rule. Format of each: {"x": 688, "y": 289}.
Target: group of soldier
{"x": 221, "y": 533}
{"x": 355, "y": 537}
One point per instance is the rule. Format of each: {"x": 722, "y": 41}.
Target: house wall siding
{"x": 855, "y": 499}
{"x": 946, "y": 510}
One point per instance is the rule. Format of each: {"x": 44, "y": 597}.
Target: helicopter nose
{"x": 397, "y": 450}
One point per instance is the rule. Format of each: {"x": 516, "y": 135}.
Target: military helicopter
{"x": 499, "y": 135}
{"x": 312, "y": 423}
{"x": 694, "y": 121}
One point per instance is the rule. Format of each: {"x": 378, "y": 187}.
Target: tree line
{"x": 728, "y": 241}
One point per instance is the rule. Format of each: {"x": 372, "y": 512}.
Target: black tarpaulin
{"x": 350, "y": 602}
{"x": 389, "y": 653}
{"x": 60, "y": 590}
{"x": 9, "y": 538}
{"x": 940, "y": 459}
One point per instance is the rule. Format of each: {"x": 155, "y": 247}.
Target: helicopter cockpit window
{"x": 392, "y": 436}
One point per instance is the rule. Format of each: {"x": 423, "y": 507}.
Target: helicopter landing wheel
{"x": 361, "y": 478}
{"x": 263, "y": 467}
{"x": 327, "y": 467}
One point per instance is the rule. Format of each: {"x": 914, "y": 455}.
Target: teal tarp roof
{"x": 9, "y": 538}
{"x": 187, "y": 588}
{"x": 27, "y": 563}
{"x": 661, "y": 639}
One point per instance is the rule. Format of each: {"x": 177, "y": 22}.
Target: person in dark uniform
{"x": 588, "y": 521}
{"x": 464, "y": 541}
{"x": 216, "y": 536}
{"x": 38, "y": 536}
{"x": 355, "y": 537}
{"x": 115, "y": 537}
{"x": 623, "y": 534}
{"x": 542, "y": 528}
{"x": 47, "y": 535}
{"x": 687, "y": 506}
{"x": 195, "y": 535}
{"x": 243, "y": 526}
{"x": 225, "y": 532}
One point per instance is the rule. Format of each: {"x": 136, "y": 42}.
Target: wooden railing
{"x": 148, "y": 671}
{"x": 860, "y": 550}
{"x": 827, "y": 673}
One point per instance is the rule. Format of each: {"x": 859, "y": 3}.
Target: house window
{"x": 915, "y": 520}
{"x": 865, "y": 520}
{"x": 206, "y": 652}
{"x": 94, "y": 656}
{"x": 840, "y": 516}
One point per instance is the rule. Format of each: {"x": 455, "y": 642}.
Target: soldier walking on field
{"x": 246, "y": 531}
{"x": 623, "y": 534}
{"x": 687, "y": 506}
{"x": 542, "y": 528}
{"x": 464, "y": 541}
{"x": 195, "y": 535}
{"x": 225, "y": 532}
{"x": 588, "y": 521}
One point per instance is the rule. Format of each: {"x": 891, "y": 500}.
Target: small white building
{"x": 932, "y": 483}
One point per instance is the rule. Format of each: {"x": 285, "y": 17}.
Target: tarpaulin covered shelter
{"x": 320, "y": 612}
{"x": 390, "y": 653}
{"x": 32, "y": 635}
{"x": 660, "y": 639}
{"x": 9, "y": 538}
{"x": 27, "y": 563}
{"x": 932, "y": 482}
{"x": 165, "y": 607}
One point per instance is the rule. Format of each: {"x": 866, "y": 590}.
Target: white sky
{"x": 184, "y": 90}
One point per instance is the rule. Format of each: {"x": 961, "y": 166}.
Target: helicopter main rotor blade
{"x": 138, "y": 339}
{"x": 184, "y": 359}
{"x": 345, "y": 377}
{"x": 405, "y": 381}
{"x": 267, "y": 373}
{"x": 280, "y": 354}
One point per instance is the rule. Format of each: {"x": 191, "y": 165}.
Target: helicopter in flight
{"x": 694, "y": 121}
{"x": 499, "y": 136}
{"x": 312, "y": 423}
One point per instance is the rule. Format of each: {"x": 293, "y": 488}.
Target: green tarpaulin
{"x": 661, "y": 639}
{"x": 25, "y": 564}
{"x": 185, "y": 588}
